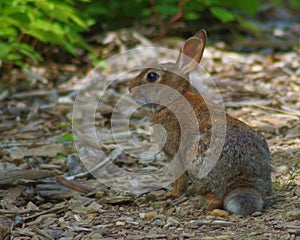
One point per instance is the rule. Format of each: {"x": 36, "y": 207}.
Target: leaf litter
{"x": 261, "y": 90}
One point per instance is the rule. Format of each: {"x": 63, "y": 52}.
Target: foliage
{"x": 26, "y": 23}
{"x": 167, "y": 12}
{"x": 68, "y": 137}
{"x": 142, "y": 9}
{"x": 28, "y": 26}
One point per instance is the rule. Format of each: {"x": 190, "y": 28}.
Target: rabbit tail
{"x": 243, "y": 201}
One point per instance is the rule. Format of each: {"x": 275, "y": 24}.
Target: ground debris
{"x": 36, "y": 145}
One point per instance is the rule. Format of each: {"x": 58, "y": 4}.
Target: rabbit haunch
{"x": 240, "y": 180}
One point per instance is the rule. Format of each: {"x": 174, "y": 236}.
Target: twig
{"x": 40, "y": 93}
{"x": 13, "y": 175}
{"x": 292, "y": 112}
{"x": 51, "y": 210}
{"x": 24, "y": 143}
{"x": 75, "y": 186}
{"x": 43, "y": 233}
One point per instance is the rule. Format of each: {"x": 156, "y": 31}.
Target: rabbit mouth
{"x": 143, "y": 101}
{"x": 152, "y": 106}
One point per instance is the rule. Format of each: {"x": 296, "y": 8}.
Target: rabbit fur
{"x": 240, "y": 181}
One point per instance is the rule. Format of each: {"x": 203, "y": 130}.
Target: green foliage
{"x": 27, "y": 26}
{"x": 25, "y": 23}
{"x": 166, "y": 7}
{"x": 223, "y": 14}
{"x": 294, "y": 3}
{"x": 226, "y": 11}
{"x": 68, "y": 137}
{"x": 164, "y": 15}
{"x": 143, "y": 10}
{"x": 114, "y": 12}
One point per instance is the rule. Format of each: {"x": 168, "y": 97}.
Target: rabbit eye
{"x": 152, "y": 76}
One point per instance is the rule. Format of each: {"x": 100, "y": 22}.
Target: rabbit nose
{"x": 131, "y": 86}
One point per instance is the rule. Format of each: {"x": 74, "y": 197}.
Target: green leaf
{"x": 28, "y": 51}
{"x": 68, "y": 137}
{"x": 294, "y": 3}
{"x": 22, "y": 18}
{"x": 249, "y": 25}
{"x": 46, "y": 6}
{"x": 248, "y": 6}
{"x": 9, "y": 10}
{"x": 37, "y": 33}
{"x": 45, "y": 36}
{"x": 212, "y": 2}
{"x": 9, "y": 32}
{"x": 62, "y": 13}
{"x": 70, "y": 48}
{"x": 64, "y": 124}
{"x": 8, "y": 22}
{"x": 222, "y": 14}
{"x": 61, "y": 156}
{"x": 191, "y": 16}
{"x": 47, "y": 32}
{"x": 14, "y": 57}
{"x": 46, "y": 25}
{"x": 4, "y": 49}
{"x": 79, "y": 22}
{"x": 169, "y": 10}
{"x": 97, "y": 62}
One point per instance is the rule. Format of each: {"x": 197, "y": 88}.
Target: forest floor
{"x": 37, "y": 150}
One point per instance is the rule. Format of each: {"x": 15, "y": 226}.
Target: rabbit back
{"x": 243, "y": 170}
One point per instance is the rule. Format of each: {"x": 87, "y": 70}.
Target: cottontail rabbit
{"x": 240, "y": 181}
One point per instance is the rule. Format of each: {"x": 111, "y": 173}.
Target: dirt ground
{"x": 36, "y": 146}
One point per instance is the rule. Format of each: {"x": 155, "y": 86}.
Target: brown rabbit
{"x": 240, "y": 181}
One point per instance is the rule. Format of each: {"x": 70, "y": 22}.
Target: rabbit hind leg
{"x": 211, "y": 201}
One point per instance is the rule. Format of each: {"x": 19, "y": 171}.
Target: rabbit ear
{"x": 191, "y": 52}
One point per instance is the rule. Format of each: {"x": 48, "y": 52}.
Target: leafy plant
{"x": 167, "y": 14}
{"x": 68, "y": 137}
{"x": 224, "y": 11}
{"x": 28, "y": 27}
{"x": 26, "y": 23}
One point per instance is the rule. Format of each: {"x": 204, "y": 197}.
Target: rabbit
{"x": 240, "y": 181}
